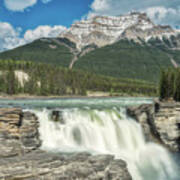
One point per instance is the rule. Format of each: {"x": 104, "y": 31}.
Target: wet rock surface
{"x": 21, "y": 158}
{"x": 144, "y": 114}
{"x": 160, "y": 122}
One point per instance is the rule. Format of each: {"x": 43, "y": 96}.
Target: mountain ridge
{"x": 105, "y": 30}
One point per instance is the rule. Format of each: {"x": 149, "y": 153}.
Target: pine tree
{"x": 163, "y": 85}
{"x": 12, "y": 83}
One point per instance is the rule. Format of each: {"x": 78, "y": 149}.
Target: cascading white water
{"x": 107, "y": 132}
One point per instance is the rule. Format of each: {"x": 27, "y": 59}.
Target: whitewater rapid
{"x": 107, "y": 131}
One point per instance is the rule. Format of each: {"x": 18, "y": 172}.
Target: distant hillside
{"x": 54, "y": 51}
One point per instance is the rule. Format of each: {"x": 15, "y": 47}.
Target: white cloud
{"x": 10, "y": 37}
{"x": 161, "y": 11}
{"x": 162, "y": 15}
{"x": 43, "y": 31}
{"x": 46, "y": 1}
{"x": 19, "y": 5}
{"x": 100, "y": 5}
{"x": 158, "y": 12}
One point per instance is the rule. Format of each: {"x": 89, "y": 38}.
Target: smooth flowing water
{"x": 101, "y": 126}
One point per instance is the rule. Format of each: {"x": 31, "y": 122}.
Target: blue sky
{"x": 22, "y": 21}
{"x": 56, "y": 12}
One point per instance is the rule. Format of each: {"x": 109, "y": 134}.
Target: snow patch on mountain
{"x": 104, "y": 30}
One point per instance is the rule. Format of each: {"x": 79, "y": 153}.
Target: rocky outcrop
{"x": 137, "y": 34}
{"x": 167, "y": 122}
{"x": 160, "y": 122}
{"x": 18, "y": 132}
{"x": 144, "y": 114}
{"x": 21, "y": 158}
{"x": 41, "y": 165}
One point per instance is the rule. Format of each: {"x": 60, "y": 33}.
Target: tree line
{"x": 169, "y": 86}
{"x": 46, "y": 79}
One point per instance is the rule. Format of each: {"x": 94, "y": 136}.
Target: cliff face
{"x": 104, "y": 30}
{"x": 167, "y": 123}
{"x": 18, "y": 132}
{"x": 160, "y": 122}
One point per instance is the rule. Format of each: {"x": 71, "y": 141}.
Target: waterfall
{"x": 107, "y": 131}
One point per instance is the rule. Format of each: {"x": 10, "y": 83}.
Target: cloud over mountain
{"x": 10, "y": 37}
{"x": 161, "y": 11}
{"x": 43, "y": 31}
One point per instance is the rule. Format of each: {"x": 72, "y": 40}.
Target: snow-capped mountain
{"x": 104, "y": 30}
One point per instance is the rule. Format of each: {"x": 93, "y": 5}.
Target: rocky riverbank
{"x": 21, "y": 158}
{"x": 160, "y": 122}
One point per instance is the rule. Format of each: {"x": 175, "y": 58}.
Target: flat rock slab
{"x": 39, "y": 165}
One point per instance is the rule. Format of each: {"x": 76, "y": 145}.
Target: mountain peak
{"x": 104, "y": 30}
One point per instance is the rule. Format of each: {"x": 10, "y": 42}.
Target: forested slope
{"x": 44, "y": 51}
{"x": 123, "y": 59}
{"x": 46, "y": 79}
{"x": 127, "y": 59}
